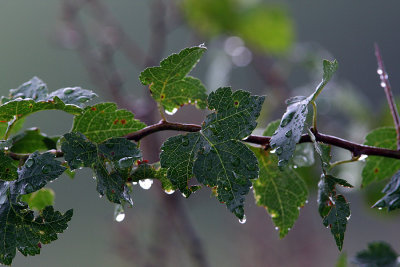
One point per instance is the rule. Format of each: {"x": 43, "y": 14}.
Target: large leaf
{"x": 293, "y": 121}
{"x": 379, "y": 168}
{"x": 20, "y": 229}
{"x": 104, "y": 120}
{"x": 111, "y": 161}
{"x": 215, "y": 155}
{"x": 378, "y": 254}
{"x": 391, "y": 200}
{"x": 169, "y": 84}
{"x": 31, "y": 140}
{"x": 282, "y": 193}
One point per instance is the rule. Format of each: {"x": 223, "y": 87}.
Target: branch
{"x": 388, "y": 91}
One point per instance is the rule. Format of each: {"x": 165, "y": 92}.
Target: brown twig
{"x": 356, "y": 149}
{"x": 388, "y": 91}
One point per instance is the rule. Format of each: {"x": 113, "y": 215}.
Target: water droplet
{"x": 379, "y": 71}
{"x": 279, "y": 150}
{"x": 306, "y": 201}
{"x": 46, "y": 169}
{"x": 380, "y": 208}
{"x": 275, "y": 133}
{"x": 273, "y": 151}
{"x": 125, "y": 162}
{"x": 287, "y": 117}
{"x": 363, "y": 157}
{"x": 184, "y": 195}
{"x": 383, "y": 84}
{"x": 169, "y": 192}
{"x": 6, "y": 148}
{"x": 83, "y": 99}
{"x": 119, "y": 213}
{"x": 134, "y": 183}
{"x": 185, "y": 141}
{"x": 289, "y": 229}
{"x": 243, "y": 220}
{"x": 276, "y": 228}
{"x": 172, "y": 112}
{"x": 348, "y": 218}
{"x": 146, "y": 183}
{"x": 29, "y": 162}
{"x": 68, "y": 91}
{"x": 294, "y": 166}
{"x": 288, "y": 133}
{"x": 235, "y": 161}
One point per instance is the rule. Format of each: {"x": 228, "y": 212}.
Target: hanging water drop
{"x": 276, "y": 228}
{"x": 146, "y": 183}
{"x": 29, "y": 162}
{"x": 380, "y": 208}
{"x": 243, "y": 220}
{"x": 46, "y": 169}
{"x": 169, "y": 191}
{"x": 379, "y": 71}
{"x": 294, "y": 166}
{"x": 306, "y": 201}
{"x": 119, "y": 213}
{"x": 383, "y": 84}
{"x": 172, "y": 112}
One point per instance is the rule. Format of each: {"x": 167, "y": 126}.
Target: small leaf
{"x": 282, "y": 193}
{"x": 293, "y": 121}
{"x": 104, "y": 120}
{"x": 169, "y": 84}
{"x": 215, "y": 155}
{"x": 391, "y": 200}
{"x": 379, "y": 168}
{"x": 32, "y": 140}
{"x": 378, "y": 254}
{"x": 107, "y": 159}
{"x": 40, "y": 199}
{"x": 337, "y": 219}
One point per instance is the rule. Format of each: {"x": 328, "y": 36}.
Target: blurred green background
{"x": 279, "y": 54}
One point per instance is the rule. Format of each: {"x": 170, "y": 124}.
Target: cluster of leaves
{"x": 215, "y": 156}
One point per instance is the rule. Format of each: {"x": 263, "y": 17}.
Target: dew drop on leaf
{"x": 243, "y": 220}
{"x": 379, "y": 71}
{"x": 125, "y": 162}
{"x": 83, "y": 99}
{"x": 286, "y": 119}
{"x": 276, "y": 228}
{"x": 29, "y": 163}
{"x": 380, "y": 208}
{"x": 146, "y": 183}
{"x": 288, "y": 133}
{"x": 46, "y": 169}
{"x": 279, "y": 150}
{"x": 172, "y": 112}
{"x": 169, "y": 192}
{"x": 68, "y": 91}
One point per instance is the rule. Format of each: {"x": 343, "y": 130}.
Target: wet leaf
{"x": 169, "y": 84}
{"x": 391, "y": 200}
{"x": 293, "y": 121}
{"x": 216, "y": 156}
{"x": 378, "y": 254}
{"x": 73, "y": 95}
{"x": 108, "y": 159}
{"x": 282, "y": 193}
{"x": 104, "y": 120}
{"x": 379, "y": 168}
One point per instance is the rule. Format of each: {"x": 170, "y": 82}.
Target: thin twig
{"x": 356, "y": 149}
{"x": 388, "y": 91}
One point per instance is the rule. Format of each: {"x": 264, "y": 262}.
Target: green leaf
{"x": 73, "y": 95}
{"x": 20, "y": 229}
{"x": 391, "y": 200}
{"x": 342, "y": 260}
{"x": 112, "y": 161}
{"x": 266, "y": 27}
{"x": 379, "y": 168}
{"x": 104, "y": 120}
{"x": 8, "y": 169}
{"x": 293, "y": 121}
{"x": 327, "y": 191}
{"x": 169, "y": 84}
{"x": 31, "y": 140}
{"x": 337, "y": 219}
{"x": 36, "y": 89}
{"x": 40, "y": 199}
{"x": 378, "y": 254}
{"x": 215, "y": 155}
{"x": 282, "y": 193}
